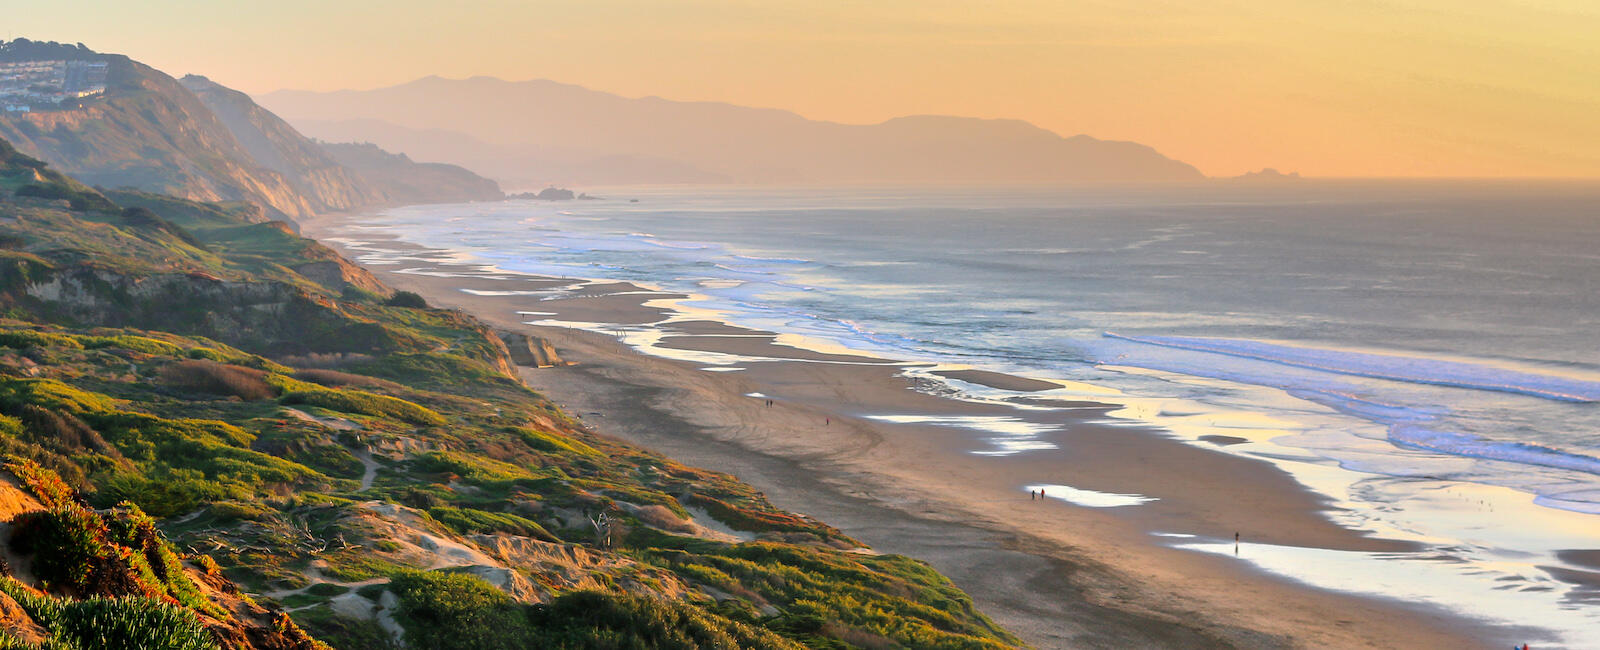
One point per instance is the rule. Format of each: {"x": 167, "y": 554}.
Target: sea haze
{"x": 1418, "y": 336}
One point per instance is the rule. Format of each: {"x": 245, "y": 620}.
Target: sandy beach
{"x": 849, "y": 440}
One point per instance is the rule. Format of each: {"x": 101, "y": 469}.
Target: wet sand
{"x": 1056, "y": 574}
{"x": 758, "y": 345}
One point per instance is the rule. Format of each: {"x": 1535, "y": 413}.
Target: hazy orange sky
{"x": 1328, "y": 88}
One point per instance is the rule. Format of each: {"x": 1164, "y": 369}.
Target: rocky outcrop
{"x": 531, "y": 350}
{"x": 14, "y": 499}
{"x": 16, "y": 622}
{"x": 114, "y": 299}
{"x": 339, "y": 273}
{"x": 271, "y": 316}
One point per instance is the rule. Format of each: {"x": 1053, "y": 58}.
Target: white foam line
{"x": 1386, "y": 366}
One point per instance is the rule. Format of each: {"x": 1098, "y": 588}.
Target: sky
{"x": 1365, "y": 88}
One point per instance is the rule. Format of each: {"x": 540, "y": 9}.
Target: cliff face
{"x": 147, "y": 131}
{"x": 405, "y": 181}
{"x": 271, "y": 142}
{"x": 199, "y": 140}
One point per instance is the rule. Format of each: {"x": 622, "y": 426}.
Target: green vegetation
{"x": 364, "y": 403}
{"x": 251, "y": 418}
{"x": 549, "y": 442}
{"x": 406, "y": 299}
{"x": 120, "y": 583}
{"x": 449, "y": 611}
{"x": 468, "y": 520}
{"x": 27, "y": 177}
{"x": 96, "y": 623}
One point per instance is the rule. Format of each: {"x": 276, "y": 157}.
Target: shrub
{"x": 450, "y": 372}
{"x": 452, "y": 610}
{"x": 338, "y": 379}
{"x": 406, "y": 299}
{"x": 353, "y": 293}
{"x": 467, "y": 520}
{"x": 21, "y": 339}
{"x": 751, "y": 520}
{"x": 326, "y": 359}
{"x": 63, "y": 431}
{"x": 143, "y": 218}
{"x": 247, "y": 384}
{"x": 69, "y": 471}
{"x": 663, "y": 517}
{"x": 284, "y": 385}
{"x": 51, "y": 394}
{"x": 143, "y": 344}
{"x": 224, "y": 354}
{"x": 130, "y": 527}
{"x": 166, "y": 494}
{"x": 446, "y": 611}
{"x": 556, "y": 443}
{"x": 129, "y": 623}
{"x": 327, "y": 590}
{"x": 364, "y": 403}
{"x": 470, "y": 467}
{"x": 230, "y": 511}
{"x": 344, "y": 632}
{"x": 45, "y": 485}
{"x": 72, "y": 549}
{"x": 589, "y": 619}
{"x": 79, "y": 199}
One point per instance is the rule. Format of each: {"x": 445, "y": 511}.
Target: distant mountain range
{"x": 534, "y": 132}
{"x": 198, "y": 140}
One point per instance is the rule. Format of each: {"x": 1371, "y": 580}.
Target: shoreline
{"x": 1053, "y": 573}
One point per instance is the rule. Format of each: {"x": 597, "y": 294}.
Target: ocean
{"x": 1427, "y": 354}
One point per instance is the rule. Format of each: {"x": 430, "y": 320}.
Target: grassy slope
{"x": 181, "y": 413}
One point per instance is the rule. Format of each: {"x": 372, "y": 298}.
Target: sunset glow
{"x": 1405, "y": 88}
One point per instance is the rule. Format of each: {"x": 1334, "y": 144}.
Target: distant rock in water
{"x": 1267, "y": 174}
